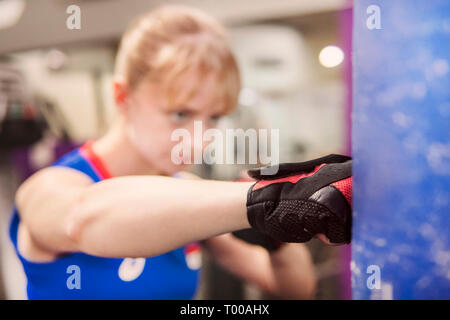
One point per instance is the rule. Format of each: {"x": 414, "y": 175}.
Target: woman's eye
{"x": 215, "y": 118}
{"x": 179, "y": 116}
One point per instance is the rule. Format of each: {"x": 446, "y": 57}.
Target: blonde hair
{"x": 172, "y": 41}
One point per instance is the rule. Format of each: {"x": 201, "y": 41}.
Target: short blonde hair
{"x": 173, "y": 40}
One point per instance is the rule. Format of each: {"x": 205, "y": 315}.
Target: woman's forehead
{"x": 191, "y": 92}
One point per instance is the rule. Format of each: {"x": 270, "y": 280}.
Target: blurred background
{"x": 56, "y": 92}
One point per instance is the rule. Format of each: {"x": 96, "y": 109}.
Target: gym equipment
{"x": 401, "y": 149}
{"x": 20, "y": 121}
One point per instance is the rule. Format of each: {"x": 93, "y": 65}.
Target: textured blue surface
{"x": 401, "y": 149}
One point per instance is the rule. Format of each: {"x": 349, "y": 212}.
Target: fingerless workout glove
{"x": 303, "y": 199}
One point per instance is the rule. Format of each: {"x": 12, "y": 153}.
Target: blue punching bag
{"x": 401, "y": 149}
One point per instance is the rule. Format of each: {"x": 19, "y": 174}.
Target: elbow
{"x": 73, "y": 231}
{"x": 77, "y": 222}
{"x": 85, "y": 228}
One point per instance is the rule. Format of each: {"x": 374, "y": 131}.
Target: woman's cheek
{"x": 140, "y": 139}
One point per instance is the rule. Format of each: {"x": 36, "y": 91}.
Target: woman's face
{"x": 150, "y": 121}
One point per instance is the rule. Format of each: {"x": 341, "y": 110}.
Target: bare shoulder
{"x": 57, "y": 174}
{"x": 48, "y": 181}
{"x": 42, "y": 201}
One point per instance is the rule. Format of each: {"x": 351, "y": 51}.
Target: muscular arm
{"x": 136, "y": 216}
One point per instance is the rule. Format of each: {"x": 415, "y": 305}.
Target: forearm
{"x": 287, "y": 272}
{"x": 247, "y": 261}
{"x": 148, "y": 215}
{"x": 294, "y": 272}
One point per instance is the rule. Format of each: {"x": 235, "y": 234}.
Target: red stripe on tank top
{"x": 94, "y": 160}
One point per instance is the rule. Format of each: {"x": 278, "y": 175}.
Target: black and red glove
{"x": 303, "y": 199}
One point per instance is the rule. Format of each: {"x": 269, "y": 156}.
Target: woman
{"x": 75, "y": 221}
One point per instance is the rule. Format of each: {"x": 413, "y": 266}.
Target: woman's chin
{"x": 173, "y": 170}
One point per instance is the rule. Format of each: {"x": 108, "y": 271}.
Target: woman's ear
{"x": 121, "y": 94}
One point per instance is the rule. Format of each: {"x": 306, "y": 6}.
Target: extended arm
{"x": 139, "y": 216}
{"x": 134, "y": 216}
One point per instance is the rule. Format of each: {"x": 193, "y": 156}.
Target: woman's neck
{"x": 119, "y": 155}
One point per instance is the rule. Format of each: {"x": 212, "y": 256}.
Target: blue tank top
{"x": 173, "y": 275}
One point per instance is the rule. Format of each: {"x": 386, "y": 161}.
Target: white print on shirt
{"x": 193, "y": 255}
{"x": 131, "y": 268}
